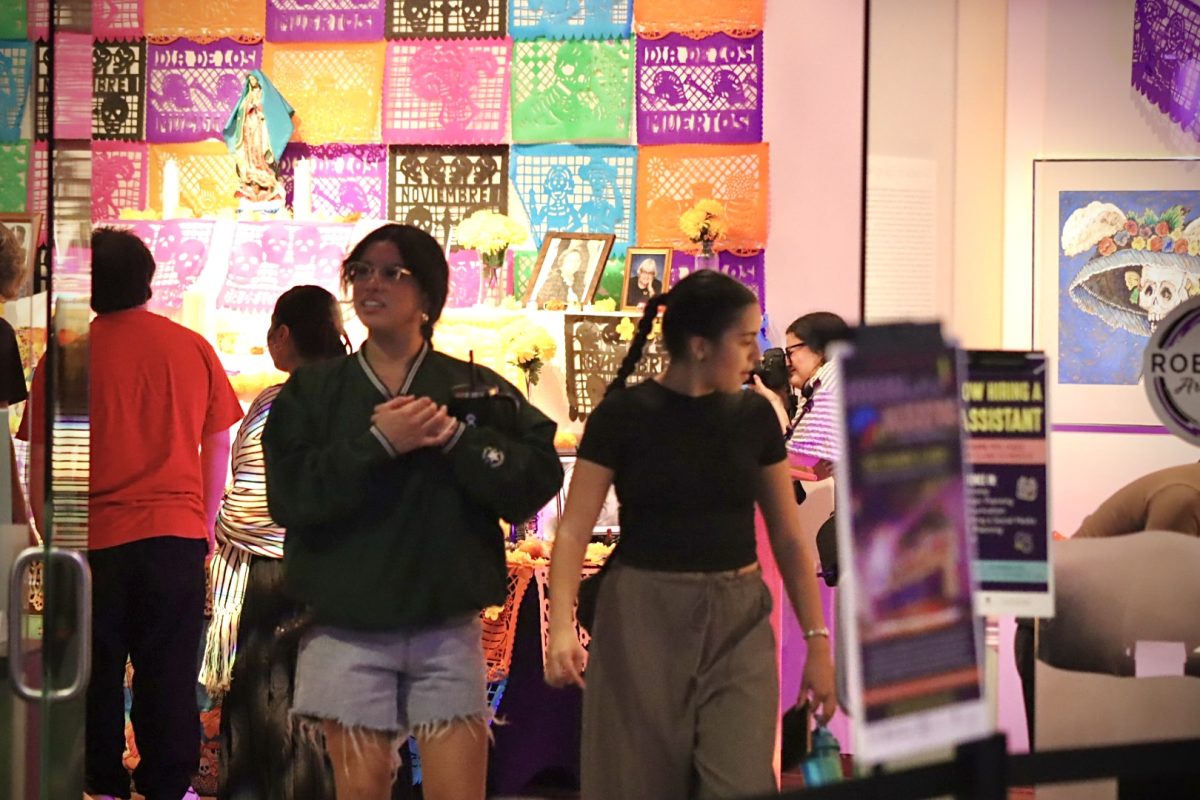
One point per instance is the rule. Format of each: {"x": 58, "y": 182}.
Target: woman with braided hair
{"x": 682, "y": 684}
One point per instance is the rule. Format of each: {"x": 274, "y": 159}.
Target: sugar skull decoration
{"x": 256, "y": 133}
{"x": 1144, "y": 263}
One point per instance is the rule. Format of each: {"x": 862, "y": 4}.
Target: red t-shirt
{"x": 157, "y": 389}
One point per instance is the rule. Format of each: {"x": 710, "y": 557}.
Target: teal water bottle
{"x": 824, "y": 763}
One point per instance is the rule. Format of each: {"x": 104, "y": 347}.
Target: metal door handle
{"x": 83, "y": 610}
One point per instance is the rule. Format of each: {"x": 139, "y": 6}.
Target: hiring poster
{"x": 913, "y": 646}
{"x": 1004, "y": 418}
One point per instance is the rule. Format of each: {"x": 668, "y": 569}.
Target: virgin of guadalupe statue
{"x": 256, "y": 133}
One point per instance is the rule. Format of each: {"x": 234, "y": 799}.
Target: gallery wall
{"x": 1071, "y": 60}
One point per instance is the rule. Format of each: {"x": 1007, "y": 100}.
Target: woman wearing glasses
{"x": 392, "y": 508}
{"x": 812, "y": 430}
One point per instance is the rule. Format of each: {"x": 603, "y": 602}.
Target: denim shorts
{"x": 406, "y": 682}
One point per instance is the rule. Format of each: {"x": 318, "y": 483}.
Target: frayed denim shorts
{"x": 412, "y": 682}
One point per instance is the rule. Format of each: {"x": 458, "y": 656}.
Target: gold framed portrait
{"x": 647, "y": 273}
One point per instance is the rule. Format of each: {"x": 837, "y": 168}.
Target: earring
{"x": 424, "y": 317}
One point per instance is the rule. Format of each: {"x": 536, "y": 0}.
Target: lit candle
{"x": 196, "y": 312}
{"x": 302, "y": 189}
{"x": 170, "y": 189}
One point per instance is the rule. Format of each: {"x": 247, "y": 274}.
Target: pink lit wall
{"x": 813, "y": 121}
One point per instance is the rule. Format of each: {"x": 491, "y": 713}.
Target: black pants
{"x": 148, "y": 605}
{"x": 1023, "y": 653}
{"x": 263, "y": 755}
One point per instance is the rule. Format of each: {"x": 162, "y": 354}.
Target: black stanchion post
{"x": 983, "y": 766}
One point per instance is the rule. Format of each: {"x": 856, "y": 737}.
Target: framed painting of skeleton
{"x": 1116, "y": 247}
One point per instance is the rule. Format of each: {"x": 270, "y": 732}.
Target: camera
{"x": 773, "y": 369}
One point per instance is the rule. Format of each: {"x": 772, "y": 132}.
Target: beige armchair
{"x": 1109, "y": 595}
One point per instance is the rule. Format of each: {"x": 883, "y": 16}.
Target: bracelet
{"x": 816, "y": 632}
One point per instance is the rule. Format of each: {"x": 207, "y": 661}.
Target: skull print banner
{"x": 446, "y": 19}
{"x": 435, "y": 188}
{"x": 446, "y": 92}
{"x": 14, "y": 172}
{"x": 577, "y": 188}
{"x": 325, "y": 20}
{"x": 16, "y": 71}
{"x": 118, "y": 86}
{"x": 193, "y": 87}
{"x": 120, "y": 175}
{"x": 595, "y": 347}
{"x": 572, "y": 90}
{"x": 180, "y": 249}
{"x": 1166, "y": 45}
{"x": 699, "y": 91}
{"x": 746, "y": 268}
{"x": 347, "y": 179}
{"x": 558, "y": 19}
{"x": 270, "y": 257}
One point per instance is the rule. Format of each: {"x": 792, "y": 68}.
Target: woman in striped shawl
{"x": 259, "y": 756}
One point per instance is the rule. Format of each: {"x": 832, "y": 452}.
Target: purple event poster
{"x": 699, "y": 91}
{"x": 913, "y": 642}
{"x": 1004, "y": 400}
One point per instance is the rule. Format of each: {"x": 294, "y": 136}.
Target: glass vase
{"x": 706, "y": 258}
{"x": 491, "y": 290}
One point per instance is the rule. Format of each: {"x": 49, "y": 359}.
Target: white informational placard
{"x": 913, "y": 641}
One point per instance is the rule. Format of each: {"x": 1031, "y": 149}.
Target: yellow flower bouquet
{"x": 704, "y": 223}
{"x": 490, "y": 233}
{"x": 528, "y": 346}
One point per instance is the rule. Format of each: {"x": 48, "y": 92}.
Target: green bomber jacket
{"x": 377, "y": 541}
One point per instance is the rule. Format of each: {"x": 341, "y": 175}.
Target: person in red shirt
{"x": 160, "y": 409}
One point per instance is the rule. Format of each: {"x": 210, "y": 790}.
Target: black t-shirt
{"x": 686, "y": 471}
{"x": 12, "y": 375}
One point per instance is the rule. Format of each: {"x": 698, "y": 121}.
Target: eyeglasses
{"x": 361, "y": 272}
{"x": 787, "y": 351}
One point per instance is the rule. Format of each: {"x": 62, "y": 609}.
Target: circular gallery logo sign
{"x": 1171, "y": 371}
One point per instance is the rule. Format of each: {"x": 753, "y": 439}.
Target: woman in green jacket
{"x": 392, "y": 507}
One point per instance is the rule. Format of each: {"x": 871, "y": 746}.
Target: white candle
{"x": 170, "y": 189}
{"x": 302, "y": 189}
{"x": 197, "y": 308}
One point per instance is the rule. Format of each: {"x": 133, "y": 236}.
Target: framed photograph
{"x": 647, "y": 273}
{"x": 1116, "y": 247}
{"x": 27, "y": 228}
{"x": 568, "y": 269}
